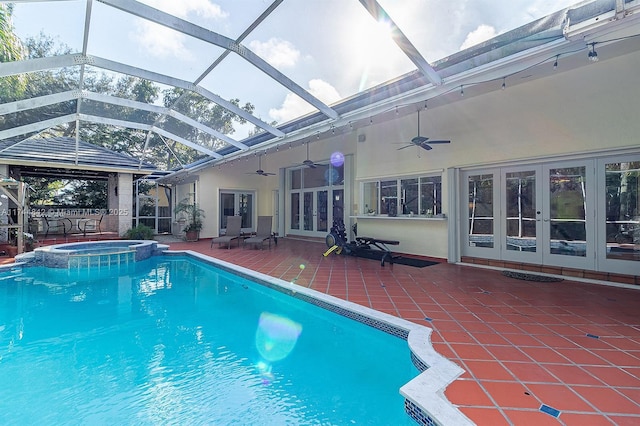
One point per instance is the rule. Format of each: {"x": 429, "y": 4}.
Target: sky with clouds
{"x": 332, "y": 48}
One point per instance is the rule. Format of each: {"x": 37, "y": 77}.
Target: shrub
{"x": 140, "y": 232}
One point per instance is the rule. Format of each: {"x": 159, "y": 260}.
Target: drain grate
{"x": 531, "y": 277}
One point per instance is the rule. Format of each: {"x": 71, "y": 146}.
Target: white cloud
{"x": 477, "y": 36}
{"x": 293, "y": 106}
{"x": 162, "y": 42}
{"x": 183, "y": 8}
{"x": 279, "y": 53}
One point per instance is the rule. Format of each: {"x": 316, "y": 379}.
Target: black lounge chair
{"x": 234, "y": 229}
{"x": 263, "y": 232}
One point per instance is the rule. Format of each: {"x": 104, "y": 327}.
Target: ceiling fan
{"x": 260, "y": 171}
{"x": 422, "y": 141}
{"x": 309, "y": 163}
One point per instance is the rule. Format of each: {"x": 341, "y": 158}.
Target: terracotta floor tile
{"x": 506, "y": 329}
{"x": 618, "y": 357}
{"x": 522, "y": 339}
{"x": 445, "y": 350}
{"x": 544, "y": 355}
{"x": 624, "y": 343}
{"x": 625, "y": 420}
{"x": 508, "y": 353}
{"x": 468, "y": 392}
{"x": 560, "y": 397}
{"x": 582, "y": 419}
{"x": 488, "y": 370}
{"x": 531, "y": 417}
{"x": 607, "y": 400}
{"x": 581, "y": 356}
{"x": 471, "y": 351}
{"x": 572, "y": 375}
{"x": 485, "y": 416}
{"x": 457, "y": 336}
{"x": 511, "y": 395}
{"x": 613, "y": 376}
{"x": 529, "y": 372}
{"x": 490, "y": 339}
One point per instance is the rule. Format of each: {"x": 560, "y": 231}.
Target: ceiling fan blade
{"x": 419, "y": 140}
{"x": 406, "y": 146}
{"x": 426, "y": 146}
{"x": 441, "y": 141}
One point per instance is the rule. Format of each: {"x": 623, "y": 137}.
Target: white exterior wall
{"x": 587, "y": 110}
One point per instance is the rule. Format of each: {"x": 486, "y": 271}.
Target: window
{"x": 409, "y": 196}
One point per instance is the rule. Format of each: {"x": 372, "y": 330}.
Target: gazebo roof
{"x": 63, "y": 153}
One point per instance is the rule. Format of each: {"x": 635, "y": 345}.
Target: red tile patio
{"x": 571, "y": 346}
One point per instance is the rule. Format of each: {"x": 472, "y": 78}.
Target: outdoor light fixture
{"x": 461, "y": 90}
{"x": 593, "y": 55}
{"x": 504, "y": 84}
{"x": 555, "y": 64}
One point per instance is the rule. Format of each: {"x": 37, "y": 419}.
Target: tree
{"x": 11, "y": 49}
{"x": 152, "y": 148}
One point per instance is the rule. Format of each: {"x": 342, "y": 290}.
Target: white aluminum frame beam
{"x": 379, "y": 14}
{"x": 154, "y": 15}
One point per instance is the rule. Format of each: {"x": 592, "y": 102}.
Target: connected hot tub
{"x": 95, "y": 254}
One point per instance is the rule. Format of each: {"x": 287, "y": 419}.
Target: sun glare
{"x": 373, "y": 41}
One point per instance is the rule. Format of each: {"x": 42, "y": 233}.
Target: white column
{"x": 124, "y": 202}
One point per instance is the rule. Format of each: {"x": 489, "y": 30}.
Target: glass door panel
{"x": 245, "y": 208}
{"x": 295, "y": 210}
{"x": 308, "y": 212}
{"x": 322, "y": 215}
{"x": 567, "y": 211}
{"x": 481, "y": 211}
{"x": 619, "y": 239}
{"x": 568, "y": 234}
{"x": 522, "y": 219}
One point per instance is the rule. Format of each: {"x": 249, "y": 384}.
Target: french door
{"x": 237, "y": 203}
{"x": 535, "y": 214}
{"x": 310, "y": 211}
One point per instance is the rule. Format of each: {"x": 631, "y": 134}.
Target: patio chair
{"x": 91, "y": 225}
{"x": 263, "y": 232}
{"x": 234, "y": 228}
{"x": 55, "y": 225}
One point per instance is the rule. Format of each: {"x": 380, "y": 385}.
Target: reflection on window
{"x": 521, "y": 211}
{"x": 623, "y": 210}
{"x": 481, "y": 211}
{"x": 295, "y": 210}
{"x": 296, "y": 179}
{"x": 567, "y": 211}
{"x": 409, "y": 197}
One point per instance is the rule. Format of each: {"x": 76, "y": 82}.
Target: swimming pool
{"x": 176, "y": 340}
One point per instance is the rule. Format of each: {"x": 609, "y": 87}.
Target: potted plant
{"x": 194, "y": 215}
{"x": 29, "y": 241}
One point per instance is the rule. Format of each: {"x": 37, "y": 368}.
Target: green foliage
{"x": 139, "y": 232}
{"x": 67, "y": 193}
{"x": 194, "y": 214}
{"x": 83, "y": 193}
{"x": 149, "y": 147}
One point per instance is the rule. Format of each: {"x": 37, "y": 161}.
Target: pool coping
{"x": 425, "y": 400}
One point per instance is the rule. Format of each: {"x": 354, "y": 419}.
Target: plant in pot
{"x": 194, "y": 215}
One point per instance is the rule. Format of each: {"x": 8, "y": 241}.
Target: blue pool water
{"x": 171, "y": 340}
